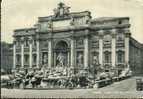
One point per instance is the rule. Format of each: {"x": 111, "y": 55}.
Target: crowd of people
{"x": 54, "y": 77}
{"x": 58, "y": 77}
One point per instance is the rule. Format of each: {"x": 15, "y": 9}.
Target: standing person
{"x": 33, "y": 82}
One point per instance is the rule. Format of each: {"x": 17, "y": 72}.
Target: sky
{"x": 17, "y": 14}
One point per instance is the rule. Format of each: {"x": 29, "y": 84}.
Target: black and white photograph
{"x": 71, "y": 49}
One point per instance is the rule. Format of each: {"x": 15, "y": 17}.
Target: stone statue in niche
{"x": 95, "y": 59}
{"x": 80, "y": 59}
{"x": 45, "y": 60}
{"x": 61, "y": 59}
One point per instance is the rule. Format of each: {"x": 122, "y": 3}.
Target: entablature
{"x": 24, "y": 32}
{"x": 110, "y": 21}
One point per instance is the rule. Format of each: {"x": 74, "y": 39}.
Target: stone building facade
{"x": 75, "y": 40}
{"x": 136, "y": 57}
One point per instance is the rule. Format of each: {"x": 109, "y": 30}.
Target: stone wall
{"x": 136, "y": 57}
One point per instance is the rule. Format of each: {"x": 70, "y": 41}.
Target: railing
{"x": 105, "y": 82}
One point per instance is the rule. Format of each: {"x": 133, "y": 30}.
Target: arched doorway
{"x": 61, "y": 54}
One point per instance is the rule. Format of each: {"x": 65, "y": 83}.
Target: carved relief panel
{"x": 44, "y": 44}
{"x": 80, "y": 42}
{"x": 95, "y": 41}
{"x": 107, "y": 40}
{"x": 43, "y": 26}
{"x": 120, "y": 40}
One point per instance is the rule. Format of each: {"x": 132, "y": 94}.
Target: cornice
{"x": 75, "y": 28}
{"x": 24, "y": 29}
{"x": 72, "y": 14}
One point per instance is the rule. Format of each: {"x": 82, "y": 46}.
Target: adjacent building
{"x": 76, "y": 40}
{"x": 6, "y": 57}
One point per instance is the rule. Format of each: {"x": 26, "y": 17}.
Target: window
{"x": 120, "y": 57}
{"x": 26, "y": 43}
{"x": 34, "y": 58}
{"x": 18, "y": 59}
{"x": 34, "y": 42}
{"x": 120, "y": 37}
{"x": 107, "y": 57}
{"x": 26, "y": 58}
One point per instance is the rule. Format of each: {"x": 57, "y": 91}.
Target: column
{"x": 113, "y": 48}
{"x": 54, "y": 58}
{"x": 101, "y": 47}
{"x": 22, "y": 54}
{"x": 127, "y": 37}
{"x": 86, "y": 52}
{"x": 38, "y": 53}
{"x": 30, "y": 53}
{"x": 49, "y": 53}
{"x": 14, "y": 54}
{"x": 72, "y": 52}
{"x": 68, "y": 61}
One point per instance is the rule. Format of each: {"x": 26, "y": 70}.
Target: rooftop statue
{"x": 61, "y": 10}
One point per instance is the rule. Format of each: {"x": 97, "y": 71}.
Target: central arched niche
{"x": 61, "y": 54}
{"x": 61, "y": 45}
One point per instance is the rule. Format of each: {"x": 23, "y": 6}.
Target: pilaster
{"x": 22, "y": 52}
{"x": 127, "y": 37}
{"x": 113, "y": 48}
{"x": 14, "y": 54}
{"x": 101, "y": 47}
{"x": 38, "y": 53}
{"x": 86, "y": 52}
{"x": 72, "y": 52}
{"x": 30, "y": 52}
{"x": 49, "y": 53}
